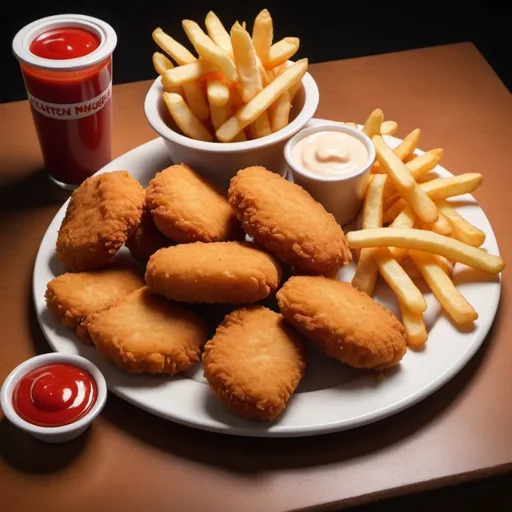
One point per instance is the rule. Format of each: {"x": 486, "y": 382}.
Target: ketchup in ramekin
{"x": 66, "y": 62}
{"x": 54, "y": 394}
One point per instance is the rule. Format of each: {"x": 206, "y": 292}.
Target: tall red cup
{"x": 66, "y": 62}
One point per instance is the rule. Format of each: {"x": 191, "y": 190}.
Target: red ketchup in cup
{"x": 53, "y": 395}
{"x": 66, "y": 62}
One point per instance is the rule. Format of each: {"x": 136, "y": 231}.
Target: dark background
{"x": 328, "y": 30}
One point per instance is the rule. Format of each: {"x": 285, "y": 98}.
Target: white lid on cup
{"x": 23, "y": 39}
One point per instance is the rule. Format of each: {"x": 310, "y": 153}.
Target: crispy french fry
{"x": 209, "y": 51}
{"x": 219, "y": 114}
{"x": 171, "y": 88}
{"x": 388, "y": 128}
{"x": 441, "y": 226}
{"x": 265, "y": 79}
{"x": 218, "y": 34}
{"x": 196, "y": 100}
{"x": 261, "y": 127}
{"x": 428, "y": 241}
{"x": 281, "y": 51}
{"x": 408, "y": 145}
{"x": 294, "y": 89}
{"x": 366, "y": 273}
{"x": 218, "y": 93}
{"x": 188, "y": 123}
{"x": 260, "y": 103}
{"x": 402, "y": 285}
{"x": 462, "y": 229}
{"x": 452, "y": 301}
{"x": 250, "y": 82}
{"x": 279, "y": 112}
{"x": 414, "y": 326}
{"x": 372, "y": 125}
{"x": 170, "y": 46}
{"x": 189, "y": 72}
{"x": 413, "y": 194}
{"x": 262, "y": 36}
{"x": 405, "y": 219}
{"x": 161, "y": 63}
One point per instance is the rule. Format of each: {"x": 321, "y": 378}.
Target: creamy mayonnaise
{"x": 330, "y": 153}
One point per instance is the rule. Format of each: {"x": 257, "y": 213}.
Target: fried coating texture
{"x": 343, "y": 322}
{"x": 146, "y": 239}
{"x": 254, "y": 362}
{"x": 219, "y": 272}
{"x": 102, "y": 214}
{"x": 282, "y": 217}
{"x": 144, "y": 333}
{"x": 73, "y": 297}
{"x": 188, "y": 208}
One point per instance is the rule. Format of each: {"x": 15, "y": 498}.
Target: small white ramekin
{"x": 53, "y": 434}
{"x": 221, "y": 161}
{"x": 342, "y": 196}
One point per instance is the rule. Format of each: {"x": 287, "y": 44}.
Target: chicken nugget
{"x": 218, "y": 272}
{"x": 73, "y": 297}
{"x": 146, "y": 239}
{"x": 254, "y": 362}
{"x": 342, "y": 321}
{"x": 144, "y": 333}
{"x": 285, "y": 219}
{"x": 188, "y": 208}
{"x": 102, "y": 214}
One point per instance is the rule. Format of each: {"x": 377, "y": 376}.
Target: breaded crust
{"x": 102, "y": 214}
{"x": 286, "y": 220}
{"x": 254, "y": 362}
{"x": 188, "y": 208}
{"x": 73, "y": 297}
{"x": 146, "y": 239}
{"x": 144, "y": 333}
{"x": 219, "y": 272}
{"x": 342, "y": 321}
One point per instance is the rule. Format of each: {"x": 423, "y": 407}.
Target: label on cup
{"x": 71, "y": 110}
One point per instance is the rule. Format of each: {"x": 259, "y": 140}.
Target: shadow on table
{"x": 26, "y": 453}
{"x": 249, "y": 455}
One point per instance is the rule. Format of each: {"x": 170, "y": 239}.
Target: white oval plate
{"x": 331, "y": 397}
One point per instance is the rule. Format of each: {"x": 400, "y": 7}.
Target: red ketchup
{"x": 54, "y": 395}
{"x": 68, "y": 75}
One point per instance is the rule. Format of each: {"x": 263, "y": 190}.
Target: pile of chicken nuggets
{"x": 191, "y": 245}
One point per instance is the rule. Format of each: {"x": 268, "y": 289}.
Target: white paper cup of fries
{"x": 233, "y": 103}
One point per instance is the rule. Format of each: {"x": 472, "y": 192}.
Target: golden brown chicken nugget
{"x": 219, "y": 272}
{"x": 146, "y": 239}
{"x": 73, "y": 297}
{"x": 286, "y": 220}
{"x": 254, "y": 362}
{"x": 342, "y": 321}
{"x": 102, "y": 214}
{"x": 188, "y": 208}
{"x": 145, "y": 333}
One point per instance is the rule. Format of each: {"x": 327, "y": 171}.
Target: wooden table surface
{"x": 130, "y": 460}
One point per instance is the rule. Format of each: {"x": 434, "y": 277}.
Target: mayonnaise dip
{"x": 330, "y": 153}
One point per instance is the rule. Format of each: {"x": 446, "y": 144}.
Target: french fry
{"x": 218, "y": 93}
{"x": 413, "y": 194}
{"x": 372, "y": 125}
{"x": 294, "y": 89}
{"x": 405, "y": 219}
{"x": 260, "y": 103}
{"x": 281, "y": 51}
{"x": 441, "y": 226}
{"x": 408, "y": 145}
{"x": 262, "y": 36}
{"x": 218, "y": 34}
{"x": 452, "y": 301}
{"x": 170, "y": 46}
{"x": 209, "y": 51}
{"x": 402, "y": 285}
{"x": 261, "y": 127}
{"x": 279, "y": 112}
{"x": 414, "y": 326}
{"x": 219, "y": 114}
{"x": 366, "y": 273}
{"x": 265, "y": 79}
{"x": 171, "y": 88}
{"x": 188, "y": 123}
{"x": 189, "y": 72}
{"x": 161, "y": 63}
{"x": 250, "y": 82}
{"x": 196, "y": 100}
{"x": 388, "y": 128}
{"x": 427, "y": 241}
{"x": 462, "y": 229}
